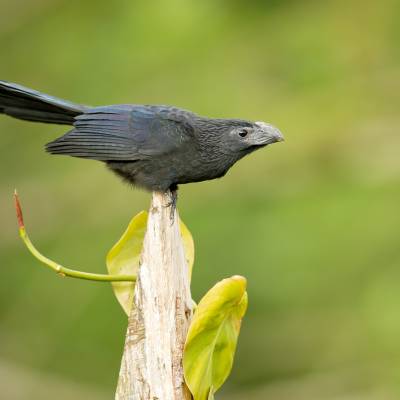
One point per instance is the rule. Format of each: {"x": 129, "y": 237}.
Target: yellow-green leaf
{"x": 188, "y": 246}
{"x": 212, "y": 337}
{"x": 124, "y": 257}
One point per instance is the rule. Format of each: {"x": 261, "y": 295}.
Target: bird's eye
{"x": 243, "y": 133}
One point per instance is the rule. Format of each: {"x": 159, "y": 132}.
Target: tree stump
{"x": 151, "y": 367}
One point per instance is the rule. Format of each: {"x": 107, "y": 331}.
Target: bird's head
{"x": 245, "y": 137}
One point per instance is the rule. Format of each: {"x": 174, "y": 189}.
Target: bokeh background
{"x": 314, "y": 223}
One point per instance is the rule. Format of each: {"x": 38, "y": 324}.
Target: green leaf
{"x": 188, "y": 246}
{"x": 124, "y": 257}
{"x": 212, "y": 337}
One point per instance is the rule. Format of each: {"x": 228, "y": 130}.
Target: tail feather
{"x": 28, "y": 104}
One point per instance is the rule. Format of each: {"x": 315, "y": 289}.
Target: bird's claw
{"x": 173, "y": 198}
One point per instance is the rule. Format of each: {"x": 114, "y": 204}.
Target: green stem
{"x": 63, "y": 271}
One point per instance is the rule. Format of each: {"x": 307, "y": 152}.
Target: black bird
{"x": 154, "y": 147}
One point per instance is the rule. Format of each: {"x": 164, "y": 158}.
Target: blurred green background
{"x": 314, "y": 223}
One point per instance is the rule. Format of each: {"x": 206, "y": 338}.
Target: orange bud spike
{"x": 18, "y": 209}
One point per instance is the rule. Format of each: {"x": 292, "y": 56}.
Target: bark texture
{"x": 151, "y": 367}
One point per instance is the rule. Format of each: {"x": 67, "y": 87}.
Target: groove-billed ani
{"x": 155, "y": 147}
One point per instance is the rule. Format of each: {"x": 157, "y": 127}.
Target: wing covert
{"x": 124, "y": 133}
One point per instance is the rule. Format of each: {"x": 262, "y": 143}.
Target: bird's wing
{"x": 124, "y": 133}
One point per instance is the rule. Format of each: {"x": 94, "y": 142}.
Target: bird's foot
{"x": 173, "y": 199}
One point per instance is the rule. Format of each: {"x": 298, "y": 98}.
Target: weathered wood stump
{"x": 151, "y": 367}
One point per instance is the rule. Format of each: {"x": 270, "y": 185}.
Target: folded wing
{"x": 124, "y": 133}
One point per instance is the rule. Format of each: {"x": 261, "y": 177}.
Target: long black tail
{"x": 23, "y": 103}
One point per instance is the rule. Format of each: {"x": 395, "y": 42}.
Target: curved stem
{"x": 63, "y": 271}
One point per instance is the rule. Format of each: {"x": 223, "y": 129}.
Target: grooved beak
{"x": 269, "y": 133}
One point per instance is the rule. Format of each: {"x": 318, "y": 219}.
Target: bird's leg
{"x": 173, "y": 195}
